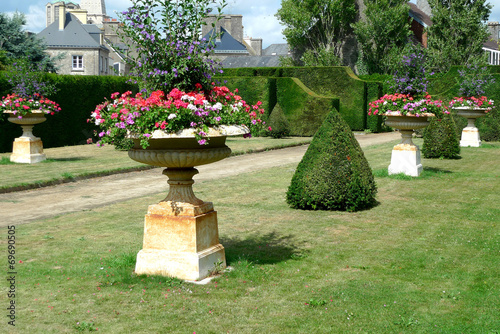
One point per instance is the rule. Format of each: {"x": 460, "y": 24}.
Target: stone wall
{"x": 94, "y": 61}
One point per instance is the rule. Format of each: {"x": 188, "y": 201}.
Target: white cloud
{"x": 35, "y": 18}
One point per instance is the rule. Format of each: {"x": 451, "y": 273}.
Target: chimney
{"x": 62, "y": 16}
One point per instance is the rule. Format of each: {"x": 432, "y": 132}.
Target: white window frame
{"x": 77, "y": 62}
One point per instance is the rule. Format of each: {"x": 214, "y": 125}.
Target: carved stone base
{"x": 406, "y": 159}
{"x": 181, "y": 237}
{"x": 27, "y": 150}
{"x": 470, "y": 137}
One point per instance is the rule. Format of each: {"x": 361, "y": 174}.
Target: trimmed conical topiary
{"x": 278, "y": 123}
{"x": 440, "y": 138}
{"x": 334, "y": 173}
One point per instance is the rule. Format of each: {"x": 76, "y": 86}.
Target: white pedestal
{"x": 28, "y": 150}
{"x": 405, "y": 159}
{"x": 470, "y": 137}
{"x": 181, "y": 237}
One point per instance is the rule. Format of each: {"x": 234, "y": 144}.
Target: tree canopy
{"x": 384, "y": 33}
{"x": 16, "y": 43}
{"x": 458, "y": 31}
{"x": 317, "y": 28}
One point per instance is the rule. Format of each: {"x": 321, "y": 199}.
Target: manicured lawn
{"x": 424, "y": 260}
{"x": 66, "y": 163}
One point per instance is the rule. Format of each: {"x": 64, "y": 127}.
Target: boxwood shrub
{"x": 334, "y": 173}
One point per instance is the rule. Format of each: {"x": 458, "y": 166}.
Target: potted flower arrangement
{"x": 472, "y": 103}
{"x": 407, "y": 110}
{"x": 179, "y": 120}
{"x": 27, "y": 106}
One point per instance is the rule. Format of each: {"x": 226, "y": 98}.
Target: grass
{"x": 65, "y": 164}
{"x": 424, "y": 260}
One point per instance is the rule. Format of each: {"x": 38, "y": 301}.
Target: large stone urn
{"x": 181, "y": 237}
{"x": 27, "y": 148}
{"x": 470, "y": 134}
{"x": 405, "y": 156}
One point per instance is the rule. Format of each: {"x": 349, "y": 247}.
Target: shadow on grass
{"x": 428, "y": 172}
{"x": 65, "y": 159}
{"x": 262, "y": 249}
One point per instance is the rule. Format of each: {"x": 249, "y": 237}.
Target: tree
{"x": 19, "y": 44}
{"x": 383, "y": 34}
{"x": 458, "y": 31}
{"x": 317, "y": 28}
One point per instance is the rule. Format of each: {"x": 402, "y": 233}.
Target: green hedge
{"x": 334, "y": 82}
{"x": 304, "y": 109}
{"x": 253, "y": 89}
{"x": 77, "y": 96}
{"x": 339, "y": 82}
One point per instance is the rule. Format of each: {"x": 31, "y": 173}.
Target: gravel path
{"x": 31, "y": 205}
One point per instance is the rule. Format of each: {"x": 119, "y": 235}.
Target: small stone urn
{"x": 181, "y": 237}
{"x": 470, "y": 134}
{"x": 27, "y": 148}
{"x": 405, "y": 156}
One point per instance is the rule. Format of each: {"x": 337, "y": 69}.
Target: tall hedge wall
{"x": 304, "y": 109}
{"x": 77, "y": 96}
{"x": 337, "y": 82}
{"x": 253, "y": 89}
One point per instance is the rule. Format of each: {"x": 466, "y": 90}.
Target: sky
{"x": 259, "y": 18}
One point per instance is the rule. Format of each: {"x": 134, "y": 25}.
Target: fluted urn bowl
{"x": 405, "y": 122}
{"x": 35, "y": 117}
{"x": 182, "y": 150}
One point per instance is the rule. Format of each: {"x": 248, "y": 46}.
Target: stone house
{"x": 80, "y": 46}
{"x": 85, "y": 37}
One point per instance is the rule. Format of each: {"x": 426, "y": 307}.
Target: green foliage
{"x": 383, "y": 34}
{"x": 170, "y": 51}
{"x": 253, "y": 89}
{"x": 440, "y": 138}
{"x": 458, "y": 31}
{"x": 320, "y": 57}
{"x": 278, "y": 123}
{"x": 489, "y": 126}
{"x": 28, "y": 79}
{"x": 304, "y": 110}
{"x": 339, "y": 82}
{"x": 334, "y": 173}
{"x": 18, "y": 44}
{"x": 445, "y": 87}
{"x": 475, "y": 79}
{"x": 317, "y": 25}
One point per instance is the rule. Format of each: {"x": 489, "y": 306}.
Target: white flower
{"x": 192, "y": 107}
{"x": 172, "y": 116}
{"x": 217, "y": 106}
{"x": 188, "y": 98}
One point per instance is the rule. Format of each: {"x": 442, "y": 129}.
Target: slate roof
{"x": 251, "y": 61}
{"x": 227, "y": 43}
{"x": 419, "y": 15}
{"x": 74, "y": 35}
{"x": 493, "y": 45}
{"x": 281, "y": 49}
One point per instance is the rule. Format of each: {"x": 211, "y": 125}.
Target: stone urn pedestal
{"x": 27, "y": 148}
{"x": 181, "y": 237}
{"x": 405, "y": 156}
{"x": 470, "y": 134}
